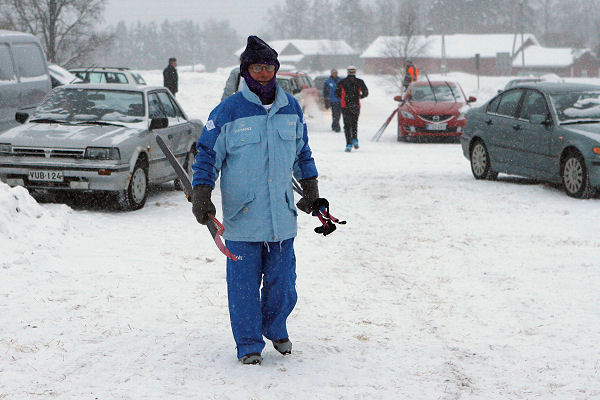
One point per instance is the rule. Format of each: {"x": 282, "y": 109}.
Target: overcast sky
{"x": 246, "y": 16}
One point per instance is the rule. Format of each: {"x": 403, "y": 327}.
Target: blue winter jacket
{"x": 255, "y": 152}
{"x": 330, "y": 85}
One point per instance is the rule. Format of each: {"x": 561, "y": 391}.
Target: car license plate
{"x": 46, "y": 176}
{"x": 436, "y": 127}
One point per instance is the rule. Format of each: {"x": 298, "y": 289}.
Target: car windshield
{"x": 74, "y": 105}
{"x": 285, "y": 85}
{"x": 577, "y": 106}
{"x": 441, "y": 93}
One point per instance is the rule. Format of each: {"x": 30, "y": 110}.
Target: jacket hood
{"x": 68, "y": 136}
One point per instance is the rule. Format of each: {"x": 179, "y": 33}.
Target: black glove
{"x": 310, "y": 193}
{"x": 201, "y": 204}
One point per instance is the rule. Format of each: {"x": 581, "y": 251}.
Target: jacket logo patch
{"x": 243, "y": 129}
{"x": 210, "y": 125}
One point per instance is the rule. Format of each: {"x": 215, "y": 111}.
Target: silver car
{"x": 87, "y": 137}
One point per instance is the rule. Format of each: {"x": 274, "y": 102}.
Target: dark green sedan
{"x": 545, "y": 131}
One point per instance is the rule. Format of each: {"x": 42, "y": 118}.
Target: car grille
{"x": 47, "y": 152}
{"x": 430, "y": 117}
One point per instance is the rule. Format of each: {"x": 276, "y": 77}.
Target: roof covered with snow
{"x": 457, "y": 46}
{"x": 538, "y": 56}
{"x": 310, "y": 47}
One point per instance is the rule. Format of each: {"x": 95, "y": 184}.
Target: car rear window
{"x": 493, "y": 106}
{"x": 7, "y": 72}
{"x": 138, "y": 78}
{"x": 29, "y": 60}
{"x": 509, "y": 103}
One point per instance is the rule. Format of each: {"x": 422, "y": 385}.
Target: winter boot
{"x": 355, "y": 143}
{"x": 348, "y": 148}
{"x": 252, "y": 358}
{"x": 284, "y": 346}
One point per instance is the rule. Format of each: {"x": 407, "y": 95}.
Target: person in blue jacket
{"x": 334, "y": 101}
{"x": 256, "y": 140}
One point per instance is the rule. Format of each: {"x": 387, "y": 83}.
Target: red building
{"x": 561, "y": 61}
{"x": 444, "y": 53}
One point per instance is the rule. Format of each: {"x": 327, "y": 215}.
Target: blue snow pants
{"x": 255, "y": 313}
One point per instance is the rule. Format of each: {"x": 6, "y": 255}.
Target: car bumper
{"x": 410, "y": 129}
{"x": 594, "y": 173}
{"x": 89, "y": 176}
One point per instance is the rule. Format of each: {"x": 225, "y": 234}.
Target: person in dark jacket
{"x": 256, "y": 139}
{"x": 350, "y": 90}
{"x": 334, "y": 101}
{"x": 170, "y": 77}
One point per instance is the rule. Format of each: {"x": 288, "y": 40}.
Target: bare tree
{"x": 65, "y": 27}
{"x": 408, "y": 44}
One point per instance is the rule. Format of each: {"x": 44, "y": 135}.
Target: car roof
{"x": 555, "y": 87}
{"x": 100, "y": 68}
{"x": 113, "y": 86}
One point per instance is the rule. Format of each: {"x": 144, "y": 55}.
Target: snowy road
{"x": 439, "y": 287}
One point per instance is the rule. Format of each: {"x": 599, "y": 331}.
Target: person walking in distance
{"x": 333, "y": 100}
{"x": 256, "y": 139}
{"x": 170, "y": 77}
{"x": 350, "y": 90}
{"x": 411, "y": 73}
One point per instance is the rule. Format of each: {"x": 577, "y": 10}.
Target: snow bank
{"x": 24, "y": 224}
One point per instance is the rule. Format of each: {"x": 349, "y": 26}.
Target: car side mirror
{"x": 471, "y": 99}
{"x": 540, "y": 119}
{"x": 21, "y": 117}
{"x": 158, "y": 123}
{"x": 398, "y": 98}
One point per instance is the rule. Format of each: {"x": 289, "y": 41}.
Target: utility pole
{"x": 521, "y": 16}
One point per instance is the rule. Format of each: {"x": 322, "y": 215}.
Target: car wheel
{"x": 480, "y": 162}
{"x": 134, "y": 197}
{"x": 187, "y": 165}
{"x": 575, "y": 177}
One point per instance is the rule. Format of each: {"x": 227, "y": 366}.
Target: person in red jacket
{"x": 411, "y": 74}
{"x": 350, "y": 90}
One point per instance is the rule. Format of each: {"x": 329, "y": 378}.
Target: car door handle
{"x": 189, "y": 131}
{"x": 170, "y": 137}
{"x": 517, "y": 127}
{"x": 489, "y": 121}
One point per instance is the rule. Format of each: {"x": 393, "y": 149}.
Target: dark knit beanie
{"x": 258, "y": 52}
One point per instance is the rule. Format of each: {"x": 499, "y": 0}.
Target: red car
{"x": 432, "y": 110}
{"x": 303, "y": 88}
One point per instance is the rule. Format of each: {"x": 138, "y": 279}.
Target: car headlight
{"x": 407, "y": 115}
{"x": 5, "y": 148}
{"x": 102, "y": 153}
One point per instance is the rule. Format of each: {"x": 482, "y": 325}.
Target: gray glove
{"x": 310, "y": 193}
{"x": 201, "y": 203}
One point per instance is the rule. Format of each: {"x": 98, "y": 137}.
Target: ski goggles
{"x": 257, "y": 68}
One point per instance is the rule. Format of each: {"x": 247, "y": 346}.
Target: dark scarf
{"x": 266, "y": 93}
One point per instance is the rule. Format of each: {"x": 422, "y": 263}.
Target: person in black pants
{"x": 170, "y": 77}
{"x": 350, "y": 90}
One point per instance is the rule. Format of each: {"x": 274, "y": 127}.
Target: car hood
{"x": 431, "y": 107}
{"x": 590, "y": 130}
{"x": 69, "y": 136}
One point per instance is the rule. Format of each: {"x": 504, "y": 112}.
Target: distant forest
{"x": 564, "y": 23}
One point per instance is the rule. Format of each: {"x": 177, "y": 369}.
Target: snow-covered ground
{"x": 439, "y": 286}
